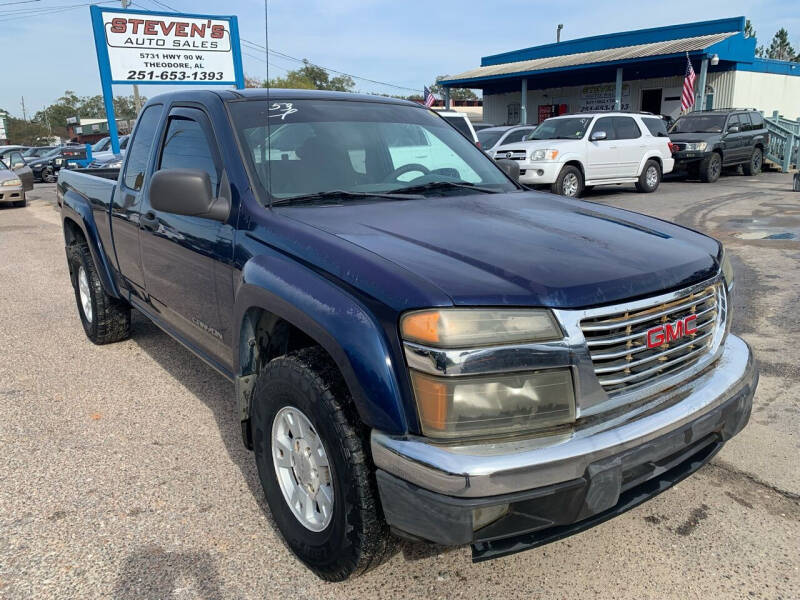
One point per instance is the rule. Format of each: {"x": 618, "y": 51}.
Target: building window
{"x": 709, "y": 98}
{"x": 513, "y": 113}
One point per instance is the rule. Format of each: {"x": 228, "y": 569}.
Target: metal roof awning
{"x": 596, "y": 57}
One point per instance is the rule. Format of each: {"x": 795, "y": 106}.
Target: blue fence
{"x": 784, "y": 141}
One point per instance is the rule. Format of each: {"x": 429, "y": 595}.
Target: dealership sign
{"x": 157, "y": 48}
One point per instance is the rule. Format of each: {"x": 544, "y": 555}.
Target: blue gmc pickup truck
{"x": 419, "y": 346}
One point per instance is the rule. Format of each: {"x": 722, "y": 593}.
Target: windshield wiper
{"x": 339, "y": 195}
{"x": 443, "y": 185}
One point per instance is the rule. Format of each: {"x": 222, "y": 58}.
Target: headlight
{"x": 727, "y": 271}
{"x": 117, "y": 164}
{"x": 490, "y": 405}
{"x": 11, "y": 182}
{"x": 58, "y": 161}
{"x": 494, "y": 404}
{"x": 472, "y": 327}
{"x": 697, "y": 146}
{"x": 544, "y": 155}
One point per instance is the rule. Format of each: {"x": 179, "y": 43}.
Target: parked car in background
{"x": 108, "y": 159}
{"x": 492, "y": 137}
{"x": 35, "y": 152}
{"x": 572, "y": 153}
{"x": 478, "y": 125}
{"x": 15, "y": 161}
{"x": 461, "y": 122}
{"x": 449, "y": 357}
{"x": 46, "y": 168}
{"x": 101, "y": 145}
{"x": 12, "y": 190}
{"x": 705, "y": 141}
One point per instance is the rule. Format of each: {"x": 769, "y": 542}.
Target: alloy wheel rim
{"x": 651, "y": 177}
{"x": 570, "y": 185}
{"x": 715, "y": 167}
{"x": 83, "y": 290}
{"x": 302, "y": 469}
{"x": 757, "y": 161}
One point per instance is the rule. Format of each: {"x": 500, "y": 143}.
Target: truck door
{"x": 736, "y": 141}
{"x": 631, "y": 146}
{"x": 17, "y": 164}
{"x": 186, "y": 259}
{"x": 127, "y": 202}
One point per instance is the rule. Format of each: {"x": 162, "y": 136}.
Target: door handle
{"x": 149, "y": 220}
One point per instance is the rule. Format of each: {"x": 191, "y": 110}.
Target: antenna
{"x": 269, "y": 133}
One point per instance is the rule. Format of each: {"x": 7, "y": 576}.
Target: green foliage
{"x": 780, "y": 48}
{"x": 455, "y": 93}
{"x": 307, "y": 77}
{"x": 25, "y": 133}
{"x": 89, "y": 107}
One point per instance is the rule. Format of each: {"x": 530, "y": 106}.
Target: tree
{"x": 307, "y": 77}
{"x": 455, "y": 93}
{"x": 749, "y": 32}
{"x": 89, "y": 107}
{"x": 780, "y": 48}
{"x": 25, "y": 133}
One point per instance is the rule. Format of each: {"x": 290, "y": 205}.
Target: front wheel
{"x": 312, "y": 459}
{"x": 756, "y": 162}
{"x": 711, "y": 168}
{"x": 48, "y": 176}
{"x": 569, "y": 182}
{"x": 650, "y": 178}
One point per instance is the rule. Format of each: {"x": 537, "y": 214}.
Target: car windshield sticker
{"x": 281, "y": 110}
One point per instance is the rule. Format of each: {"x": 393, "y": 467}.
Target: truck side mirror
{"x": 187, "y": 192}
{"x": 598, "y": 136}
{"x": 733, "y": 129}
{"x": 510, "y": 168}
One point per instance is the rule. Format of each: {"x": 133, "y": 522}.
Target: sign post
{"x": 158, "y": 48}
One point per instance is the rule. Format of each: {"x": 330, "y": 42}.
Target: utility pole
{"x": 137, "y": 100}
{"x": 558, "y": 32}
{"x": 24, "y": 114}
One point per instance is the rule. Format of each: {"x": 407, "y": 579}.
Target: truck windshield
{"x": 699, "y": 124}
{"x": 300, "y": 148}
{"x": 571, "y": 128}
{"x": 489, "y": 138}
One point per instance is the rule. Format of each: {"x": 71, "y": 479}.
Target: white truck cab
{"x": 571, "y": 153}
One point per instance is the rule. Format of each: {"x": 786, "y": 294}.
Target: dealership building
{"x": 633, "y": 70}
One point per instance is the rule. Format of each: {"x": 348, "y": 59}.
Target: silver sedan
{"x": 11, "y": 189}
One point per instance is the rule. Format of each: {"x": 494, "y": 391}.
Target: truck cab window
{"x": 140, "y": 150}
{"x": 186, "y": 147}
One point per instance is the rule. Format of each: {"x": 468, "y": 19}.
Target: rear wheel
{"x": 313, "y": 463}
{"x": 650, "y": 178}
{"x": 756, "y": 162}
{"x": 569, "y": 182}
{"x": 105, "y": 319}
{"x": 48, "y": 176}
{"x": 711, "y": 168}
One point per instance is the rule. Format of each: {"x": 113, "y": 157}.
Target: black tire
{"x": 48, "y": 175}
{"x": 110, "y": 319}
{"x": 357, "y": 537}
{"x": 756, "y": 162}
{"x": 711, "y": 168}
{"x": 650, "y": 178}
{"x": 569, "y": 182}
{"x": 22, "y": 203}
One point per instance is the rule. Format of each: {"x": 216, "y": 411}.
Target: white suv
{"x": 573, "y": 153}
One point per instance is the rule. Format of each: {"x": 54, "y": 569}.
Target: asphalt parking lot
{"x": 122, "y": 472}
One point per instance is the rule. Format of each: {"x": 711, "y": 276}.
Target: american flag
{"x": 428, "y": 97}
{"x": 687, "y": 97}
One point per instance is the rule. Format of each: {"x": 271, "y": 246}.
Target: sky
{"x": 406, "y": 43}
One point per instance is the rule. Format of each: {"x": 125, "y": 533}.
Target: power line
{"x": 257, "y": 46}
{"x": 14, "y": 16}
{"x": 19, "y": 2}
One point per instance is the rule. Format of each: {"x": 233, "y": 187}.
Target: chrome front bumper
{"x": 493, "y": 469}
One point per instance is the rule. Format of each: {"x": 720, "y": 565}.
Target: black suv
{"x": 704, "y": 141}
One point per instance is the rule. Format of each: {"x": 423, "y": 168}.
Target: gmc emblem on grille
{"x": 668, "y": 332}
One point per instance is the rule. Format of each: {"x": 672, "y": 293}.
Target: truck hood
{"x": 523, "y": 248}
{"x": 694, "y": 137}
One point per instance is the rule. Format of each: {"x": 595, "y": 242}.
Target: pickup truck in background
{"x": 419, "y": 347}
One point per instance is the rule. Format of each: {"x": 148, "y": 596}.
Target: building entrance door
{"x": 651, "y": 101}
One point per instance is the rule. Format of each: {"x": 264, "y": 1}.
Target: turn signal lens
{"x": 491, "y": 405}
{"x": 472, "y": 327}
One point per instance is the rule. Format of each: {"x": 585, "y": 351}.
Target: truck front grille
{"x": 510, "y": 154}
{"x": 618, "y": 340}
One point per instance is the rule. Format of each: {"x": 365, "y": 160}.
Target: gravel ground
{"x": 122, "y": 472}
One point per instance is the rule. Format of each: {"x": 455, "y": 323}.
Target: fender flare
{"x": 339, "y": 322}
{"x": 76, "y": 208}
{"x": 648, "y": 156}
